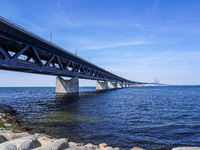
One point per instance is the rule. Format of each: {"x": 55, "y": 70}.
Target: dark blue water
{"x": 148, "y": 117}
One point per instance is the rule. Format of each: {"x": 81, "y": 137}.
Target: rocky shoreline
{"x": 13, "y": 136}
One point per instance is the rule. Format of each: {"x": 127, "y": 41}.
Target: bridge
{"x": 22, "y": 50}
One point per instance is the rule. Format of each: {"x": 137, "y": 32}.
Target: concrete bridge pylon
{"x": 67, "y": 86}
{"x": 102, "y": 85}
{"x": 113, "y": 84}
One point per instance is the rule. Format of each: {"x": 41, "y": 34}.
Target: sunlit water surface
{"x": 147, "y": 117}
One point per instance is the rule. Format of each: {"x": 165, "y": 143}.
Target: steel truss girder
{"x": 21, "y": 50}
{"x": 15, "y": 63}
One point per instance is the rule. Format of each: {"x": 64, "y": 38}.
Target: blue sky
{"x": 137, "y": 39}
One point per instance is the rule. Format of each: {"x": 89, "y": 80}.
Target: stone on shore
{"x": 2, "y": 139}
{"x": 137, "y": 148}
{"x": 2, "y": 130}
{"x": 8, "y": 118}
{"x": 107, "y": 148}
{"x": 186, "y": 148}
{"x": 4, "y": 109}
{"x": 73, "y": 145}
{"x": 60, "y": 144}
{"x": 102, "y": 145}
{"x": 45, "y": 140}
{"x": 11, "y": 136}
{"x": 10, "y": 146}
{"x": 23, "y": 143}
{"x": 80, "y": 148}
{"x": 91, "y": 146}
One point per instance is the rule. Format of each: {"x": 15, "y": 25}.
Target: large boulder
{"x": 60, "y": 144}
{"x": 2, "y": 139}
{"x": 45, "y": 140}
{"x": 24, "y": 143}
{"x": 76, "y": 146}
{"x": 10, "y": 146}
{"x": 7, "y": 109}
{"x": 11, "y": 136}
{"x": 102, "y": 145}
{"x": 73, "y": 145}
{"x": 91, "y": 146}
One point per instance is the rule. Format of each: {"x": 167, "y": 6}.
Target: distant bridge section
{"x": 22, "y": 50}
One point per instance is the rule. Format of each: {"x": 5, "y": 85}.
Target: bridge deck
{"x": 22, "y": 50}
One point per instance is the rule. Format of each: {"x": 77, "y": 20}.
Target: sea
{"x": 159, "y": 117}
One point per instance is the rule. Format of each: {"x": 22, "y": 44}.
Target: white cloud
{"x": 84, "y": 43}
{"x": 114, "y": 44}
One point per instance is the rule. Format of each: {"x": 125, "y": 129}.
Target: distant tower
{"x": 156, "y": 81}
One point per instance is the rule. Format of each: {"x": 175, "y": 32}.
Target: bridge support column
{"x": 123, "y": 84}
{"x": 127, "y": 84}
{"x": 102, "y": 85}
{"x": 67, "y": 86}
{"x": 113, "y": 85}
{"x": 119, "y": 84}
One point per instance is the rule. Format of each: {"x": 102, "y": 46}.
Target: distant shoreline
{"x": 149, "y": 84}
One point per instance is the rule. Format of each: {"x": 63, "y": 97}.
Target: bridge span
{"x": 22, "y": 50}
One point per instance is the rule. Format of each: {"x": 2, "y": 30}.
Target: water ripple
{"x": 148, "y": 117}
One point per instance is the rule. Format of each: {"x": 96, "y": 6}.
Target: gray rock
{"x": 77, "y": 148}
{"x": 44, "y": 140}
{"x": 186, "y": 148}
{"x": 7, "y": 109}
{"x": 2, "y": 130}
{"x": 102, "y": 145}
{"x": 23, "y": 143}
{"x": 108, "y": 148}
{"x": 8, "y": 146}
{"x": 73, "y": 145}
{"x": 60, "y": 144}
{"x": 11, "y": 136}
{"x": 91, "y": 147}
{"x": 2, "y": 139}
{"x": 81, "y": 148}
